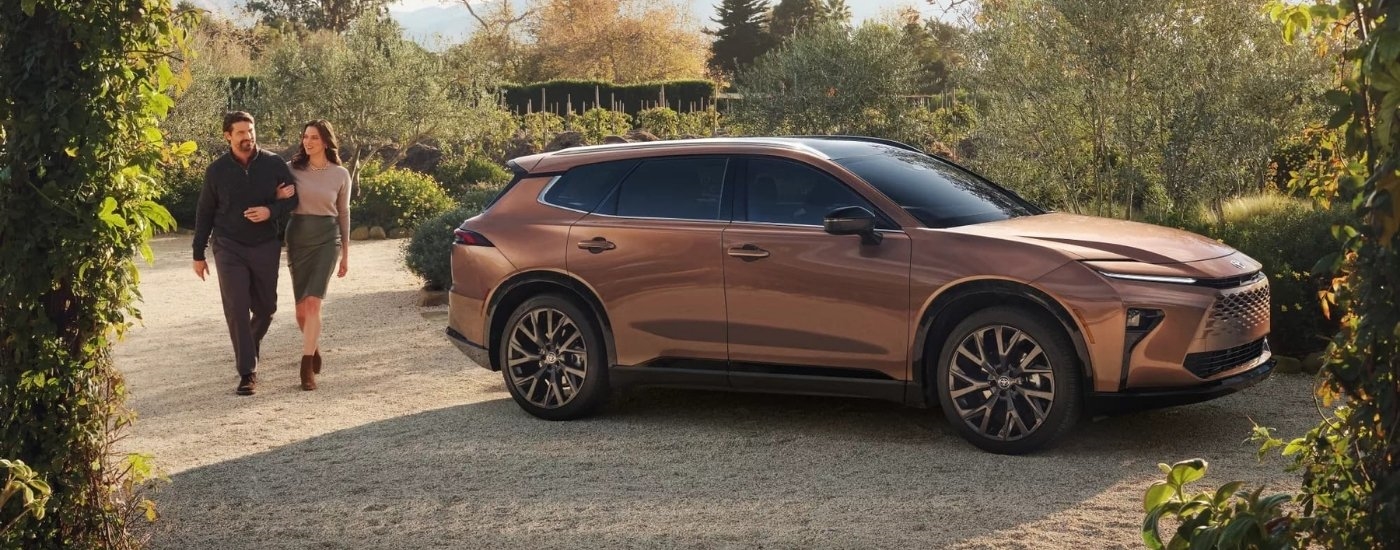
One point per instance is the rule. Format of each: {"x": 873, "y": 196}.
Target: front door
{"x": 805, "y": 305}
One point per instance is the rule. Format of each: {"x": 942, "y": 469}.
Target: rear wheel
{"x": 1007, "y": 381}
{"x": 553, "y": 359}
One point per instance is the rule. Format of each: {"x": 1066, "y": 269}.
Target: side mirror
{"x": 852, "y": 220}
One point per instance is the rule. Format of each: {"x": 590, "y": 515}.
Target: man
{"x": 240, "y": 205}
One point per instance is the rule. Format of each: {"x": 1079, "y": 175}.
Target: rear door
{"x": 651, "y": 252}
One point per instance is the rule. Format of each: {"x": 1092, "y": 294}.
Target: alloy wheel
{"x": 1001, "y": 383}
{"x": 547, "y": 358}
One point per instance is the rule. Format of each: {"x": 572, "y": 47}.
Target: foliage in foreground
{"x": 83, "y": 88}
{"x": 1350, "y": 462}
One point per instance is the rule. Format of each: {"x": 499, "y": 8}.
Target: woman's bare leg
{"x": 309, "y": 316}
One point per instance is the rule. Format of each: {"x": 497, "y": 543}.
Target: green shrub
{"x": 458, "y": 174}
{"x": 397, "y": 198}
{"x": 541, "y": 127}
{"x": 428, "y": 254}
{"x": 699, "y": 123}
{"x": 178, "y": 186}
{"x": 660, "y": 121}
{"x": 595, "y": 124}
{"x": 1288, "y": 236}
{"x": 477, "y": 196}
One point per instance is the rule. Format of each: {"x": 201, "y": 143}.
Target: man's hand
{"x": 201, "y": 268}
{"x": 285, "y": 191}
{"x": 257, "y": 214}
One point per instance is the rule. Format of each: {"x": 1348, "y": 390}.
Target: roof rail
{"x": 882, "y": 141}
{"x": 668, "y": 143}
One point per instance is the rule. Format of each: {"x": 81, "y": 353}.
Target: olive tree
{"x": 1107, "y": 106}
{"x": 827, "y": 79}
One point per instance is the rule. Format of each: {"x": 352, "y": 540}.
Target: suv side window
{"x": 583, "y": 187}
{"x": 674, "y": 188}
{"x": 786, "y": 192}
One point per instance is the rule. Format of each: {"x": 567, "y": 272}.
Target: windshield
{"x": 937, "y": 193}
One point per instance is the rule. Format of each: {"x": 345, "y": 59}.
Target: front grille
{"x": 1231, "y": 282}
{"x": 1238, "y": 314}
{"x": 1210, "y": 363}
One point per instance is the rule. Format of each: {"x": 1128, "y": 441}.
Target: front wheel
{"x": 553, "y": 359}
{"x": 1007, "y": 381}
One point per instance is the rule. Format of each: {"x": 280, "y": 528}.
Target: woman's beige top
{"x": 325, "y": 193}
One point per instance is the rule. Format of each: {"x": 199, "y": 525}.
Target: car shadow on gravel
{"x": 670, "y": 468}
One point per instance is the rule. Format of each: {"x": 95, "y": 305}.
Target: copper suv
{"x": 842, "y": 266}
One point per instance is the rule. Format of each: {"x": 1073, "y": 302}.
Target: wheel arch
{"x": 522, "y": 286}
{"x": 948, "y": 307}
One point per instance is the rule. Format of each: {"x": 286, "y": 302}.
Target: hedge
{"x": 558, "y": 95}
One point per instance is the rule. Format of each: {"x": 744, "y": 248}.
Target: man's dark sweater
{"x": 230, "y": 189}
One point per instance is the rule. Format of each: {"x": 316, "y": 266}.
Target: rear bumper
{"x": 478, "y": 354}
{"x": 1128, "y": 401}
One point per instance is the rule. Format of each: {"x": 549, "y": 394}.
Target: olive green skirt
{"x": 313, "y": 247}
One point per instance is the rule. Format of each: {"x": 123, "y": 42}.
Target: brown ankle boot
{"x": 308, "y": 372}
{"x": 316, "y": 363}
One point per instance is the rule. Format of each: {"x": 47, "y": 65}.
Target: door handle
{"x": 748, "y": 251}
{"x": 598, "y": 244}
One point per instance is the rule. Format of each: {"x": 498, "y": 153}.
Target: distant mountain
{"x": 436, "y": 27}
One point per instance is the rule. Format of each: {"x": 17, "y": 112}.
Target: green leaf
{"x": 148, "y": 254}
{"x": 108, "y": 215}
{"x": 186, "y": 148}
{"x": 1222, "y": 495}
{"x": 1327, "y": 265}
{"x": 1159, "y": 493}
{"x": 1187, "y": 471}
{"x": 1234, "y": 534}
{"x": 1151, "y": 537}
{"x": 1294, "y": 447}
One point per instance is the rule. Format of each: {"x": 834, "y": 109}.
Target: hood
{"x": 1095, "y": 238}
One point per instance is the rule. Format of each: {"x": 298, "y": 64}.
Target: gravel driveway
{"x": 408, "y": 445}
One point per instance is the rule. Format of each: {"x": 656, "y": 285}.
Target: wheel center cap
{"x": 1004, "y": 382}
{"x": 551, "y": 358}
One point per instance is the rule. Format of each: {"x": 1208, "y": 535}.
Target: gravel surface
{"x": 408, "y": 445}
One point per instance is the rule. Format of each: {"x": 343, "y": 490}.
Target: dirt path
{"x": 408, "y": 445}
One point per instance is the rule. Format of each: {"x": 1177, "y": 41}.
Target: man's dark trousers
{"x": 248, "y": 283}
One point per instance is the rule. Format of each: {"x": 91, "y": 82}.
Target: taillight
{"x": 469, "y": 238}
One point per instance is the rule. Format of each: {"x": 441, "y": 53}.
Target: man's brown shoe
{"x": 316, "y": 364}
{"x": 247, "y": 383}
{"x": 308, "y": 372}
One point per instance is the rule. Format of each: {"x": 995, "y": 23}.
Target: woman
{"x": 318, "y": 233}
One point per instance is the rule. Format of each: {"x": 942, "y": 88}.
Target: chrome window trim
{"x": 648, "y": 218}
{"x": 804, "y": 225}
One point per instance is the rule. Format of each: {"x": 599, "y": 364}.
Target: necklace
{"x": 321, "y": 167}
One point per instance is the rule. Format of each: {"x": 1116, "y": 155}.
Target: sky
{"x": 861, "y": 9}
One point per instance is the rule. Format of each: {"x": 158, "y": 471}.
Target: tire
{"x": 988, "y": 401}
{"x": 560, "y": 370}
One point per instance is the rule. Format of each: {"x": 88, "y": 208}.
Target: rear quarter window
{"x": 582, "y": 188}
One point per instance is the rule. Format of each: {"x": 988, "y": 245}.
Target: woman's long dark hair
{"x": 323, "y": 127}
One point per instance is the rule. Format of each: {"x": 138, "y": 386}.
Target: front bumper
{"x": 478, "y": 354}
{"x": 1129, "y": 401}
